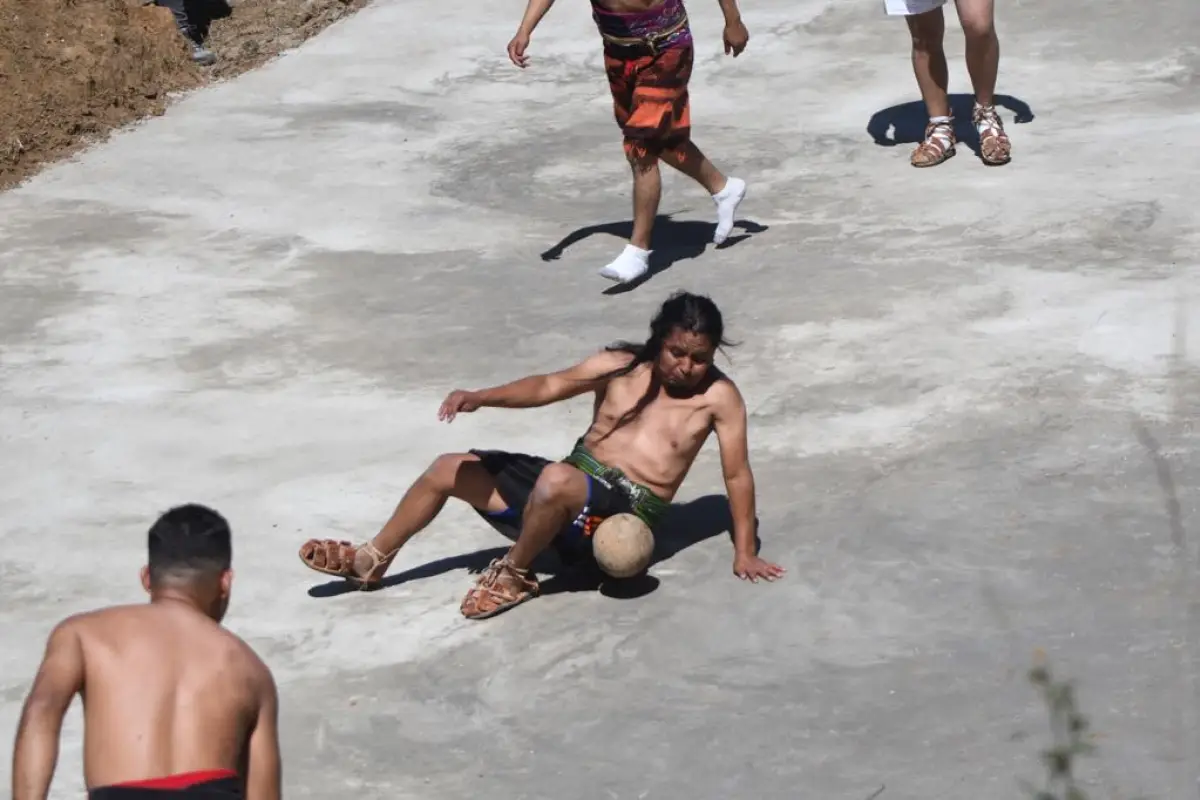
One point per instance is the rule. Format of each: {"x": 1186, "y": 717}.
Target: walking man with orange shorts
{"x": 648, "y": 55}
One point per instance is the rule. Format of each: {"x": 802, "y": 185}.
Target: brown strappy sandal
{"x": 336, "y": 557}
{"x": 938, "y": 145}
{"x": 501, "y": 587}
{"x": 994, "y": 146}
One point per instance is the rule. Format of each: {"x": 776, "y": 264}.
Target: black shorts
{"x": 515, "y": 475}
{"x": 208, "y": 785}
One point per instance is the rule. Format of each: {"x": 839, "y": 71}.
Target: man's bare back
{"x": 167, "y": 691}
{"x": 170, "y": 697}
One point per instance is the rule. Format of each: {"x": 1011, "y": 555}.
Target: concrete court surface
{"x": 973, "y": 396}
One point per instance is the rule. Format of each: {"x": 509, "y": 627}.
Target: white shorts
{"x": 906, "y": 8}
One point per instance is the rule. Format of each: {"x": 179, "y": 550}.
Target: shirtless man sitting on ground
{"x": 655, "y": 405}
{"x": 172, "y": 700}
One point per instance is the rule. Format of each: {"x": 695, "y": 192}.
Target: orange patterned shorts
{"x": 650, "y": 98}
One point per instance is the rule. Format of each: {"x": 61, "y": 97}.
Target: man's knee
{"x": 978, "y": 19}
{"x": 442, "y": 474}
{"x": 680, "y": 151}
{"x": 978, "y": 29}
{"x": 560, "y": 484}
{"x": 928, "y": 30}
{"x": 642, "y": 156}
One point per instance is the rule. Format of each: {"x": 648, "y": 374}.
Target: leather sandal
{"x": 336, "y": 557}
{"x": 501, "y": 587}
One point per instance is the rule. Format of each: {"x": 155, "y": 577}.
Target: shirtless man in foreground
{"x": 648, "y": 55}
{"x": 655, "y": 405}
{"x": 172, "y": 700}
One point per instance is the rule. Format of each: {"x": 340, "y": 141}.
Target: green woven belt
{"x": 647, "y": 506}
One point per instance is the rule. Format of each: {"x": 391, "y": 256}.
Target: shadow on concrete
{"x": 673, "y": 241}
{"x": 685, "y": 525}
{"x": 907, "y": 120}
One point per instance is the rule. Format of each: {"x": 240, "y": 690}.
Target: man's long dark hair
{"x": 691, "y": 313}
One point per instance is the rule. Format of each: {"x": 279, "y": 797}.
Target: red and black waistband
{"x": 221, "y": 783}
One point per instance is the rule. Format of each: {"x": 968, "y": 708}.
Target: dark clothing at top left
{"x": 206, "y": 785}
{"x": 183, "y": 20}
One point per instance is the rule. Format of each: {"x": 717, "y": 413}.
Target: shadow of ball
{"x": 623, "y": 546}
{"x": 629, "y": 588}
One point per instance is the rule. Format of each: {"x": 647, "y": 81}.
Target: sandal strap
{"x": 994, "y": 144}
{"x": 493, "y": 591}
{"x": 939, "y": 134}
{"x": 986, "y": 118}
{"x": 376, "y": 554}
{"x": 937, "y": 145}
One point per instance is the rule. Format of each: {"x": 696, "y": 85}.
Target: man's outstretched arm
{"x": 731, "y": 428}
{"x": 539, "y": 390}
{"x": 60, "y": 677}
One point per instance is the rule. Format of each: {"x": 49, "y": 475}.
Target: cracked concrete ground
{"x": 973, "y": 399}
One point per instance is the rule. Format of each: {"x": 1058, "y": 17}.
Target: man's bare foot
{"x": 363, "y": 565}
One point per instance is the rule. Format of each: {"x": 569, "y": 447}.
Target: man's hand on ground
{"x": 751, "y": 568}
{"x": 516, "y": 50}
{"x": 457, "y": 402}
{"x": 736, "y": 38}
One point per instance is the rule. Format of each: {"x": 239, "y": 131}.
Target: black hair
{"x": 187, "y": 542}
{"x": 691, "y": 313}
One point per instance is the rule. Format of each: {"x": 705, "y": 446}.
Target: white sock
{"x": 631, "y": 264}
{"x": 727, "y": 201}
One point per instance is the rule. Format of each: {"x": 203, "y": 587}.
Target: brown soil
{"x": 258, "y": 30}
{"x": 72, "y": 71}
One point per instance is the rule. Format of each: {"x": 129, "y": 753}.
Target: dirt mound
{"x": 74, "y": 69}
{"x": 71, "y": 71}
{"x": 258, "y": 30}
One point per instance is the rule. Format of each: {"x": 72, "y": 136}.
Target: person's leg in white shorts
{"x": 928, "y": 29}
{"x": 978, "y": 19}
{"x": 905, "y": 8}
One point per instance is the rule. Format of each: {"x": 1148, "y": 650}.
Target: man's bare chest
{"x": 673, "y": 424}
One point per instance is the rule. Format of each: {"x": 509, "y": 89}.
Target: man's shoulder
{"x": 604, "y": 364}
{"x": 81, "y": 630}
{"x": 722, "y": 388}
{"x": 610, "y": 358}
{"x": 83, "y": 621}
{"x": 251, "y": 661}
